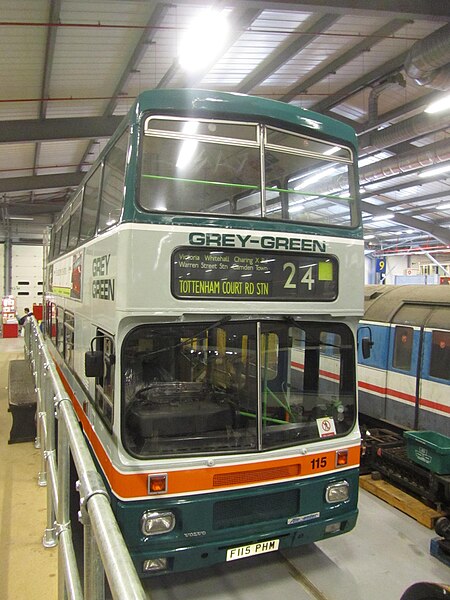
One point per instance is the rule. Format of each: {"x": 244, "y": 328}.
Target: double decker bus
{"x": 203, "y": 287}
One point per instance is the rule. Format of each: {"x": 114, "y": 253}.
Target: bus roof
{"x": 207, "y": 101}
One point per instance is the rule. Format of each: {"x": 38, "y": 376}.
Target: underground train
{"x": 405, "y": 381}
{"x": 404, "y": 385}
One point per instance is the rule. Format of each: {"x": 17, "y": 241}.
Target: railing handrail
{"x": 96, "y": 514}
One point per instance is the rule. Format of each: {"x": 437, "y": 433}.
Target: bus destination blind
{"x": 242, "y": 274}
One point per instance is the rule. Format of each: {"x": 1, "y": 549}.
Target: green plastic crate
{"x": 429, "y": 449}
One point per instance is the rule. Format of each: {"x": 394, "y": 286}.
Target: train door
{"x": 405, "y": 365}
{"x": 434, "y": 402}
{"x": 402, "y": 374}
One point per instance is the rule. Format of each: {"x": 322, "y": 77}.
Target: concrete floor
{"x": 27, "y": 569}
{"x": 386, "y": 553}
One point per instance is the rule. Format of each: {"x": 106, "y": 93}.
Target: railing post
{"x": 47, "y": 428}
{"x": 68, "y": 579}
{"x": 105, "y": 550}
{"x": 94, "y": 574}
{"x": 39, "y": 376}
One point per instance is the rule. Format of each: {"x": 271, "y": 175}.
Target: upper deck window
{"x": 245, "y": 170}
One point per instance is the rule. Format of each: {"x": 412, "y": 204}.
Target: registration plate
{"x": 252, "y": 549}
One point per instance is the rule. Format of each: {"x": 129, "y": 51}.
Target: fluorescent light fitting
{"x": 439, "y": 105}
{"x": 21, "y": 218}
{"x": 385, "y": 217}
{"x": 435, "y": 171}
{"x": 443, "y": 206}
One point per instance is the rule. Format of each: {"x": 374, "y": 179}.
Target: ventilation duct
{"x": 409, "y": 161}
{"x": 428, "y": 61}
{"x": 412, "y": 128}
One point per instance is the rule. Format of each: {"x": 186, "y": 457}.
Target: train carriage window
{"x": 90, "y": 205}
{"x": 113, "y": 184}
{"x": 403, "y": 343}
{"x": 440, "y": 355}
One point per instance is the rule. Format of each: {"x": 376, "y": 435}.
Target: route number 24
{"x": 307, "y": 278}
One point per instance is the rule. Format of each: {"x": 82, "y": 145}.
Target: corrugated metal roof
{"x": 73, "y": 59}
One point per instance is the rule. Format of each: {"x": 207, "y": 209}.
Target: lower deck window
{"x": 234, "y": 386}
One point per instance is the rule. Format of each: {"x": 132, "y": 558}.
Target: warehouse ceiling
{"x": 70, "y": 69}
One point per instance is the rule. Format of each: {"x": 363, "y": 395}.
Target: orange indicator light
{"x": 157, "y": 484}
{"x": 341, "y": 458}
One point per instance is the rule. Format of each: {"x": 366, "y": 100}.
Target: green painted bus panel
{"x": 229, "y": 103}
{"x": 205, "y": 103}
{"x": 132, "y": 215}
{"x": 208, "y": 524}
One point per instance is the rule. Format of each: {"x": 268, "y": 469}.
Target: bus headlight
{"x": 337, "y": 492}
{"x": 156, "y": 523}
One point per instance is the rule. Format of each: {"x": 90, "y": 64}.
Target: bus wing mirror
{"x": 93, "y": 363}
{"x": 366, "y": 347}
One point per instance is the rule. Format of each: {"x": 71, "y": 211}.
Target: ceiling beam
{"x": 440, "y": 233}
{"x": 363, "y": 46}
{"x": 389, "y": 67}
{"x": 274, "y": 62}
{"x": 40, "y": 209}
{"x": 40, "y": 182}
{"x": 155, "y": 20}
{"x": 403, "y": 186}
{"x": 409, "y": 9}
{"x": 147, "y": 38}
{"x": 57, "y": 129}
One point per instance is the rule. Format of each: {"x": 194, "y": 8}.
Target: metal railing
{"x": 105, "y": 551}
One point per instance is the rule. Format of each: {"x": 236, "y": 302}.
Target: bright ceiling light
{"x": 439, "y": 105}
{"x": 203, "y": 40}
{"x": 385, "y": 217}
{"x": 435, "y": 171}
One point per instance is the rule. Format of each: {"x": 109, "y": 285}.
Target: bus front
{"x": 240, "y": 281}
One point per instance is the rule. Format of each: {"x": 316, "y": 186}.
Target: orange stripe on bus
{"x": 204, "y": 479}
